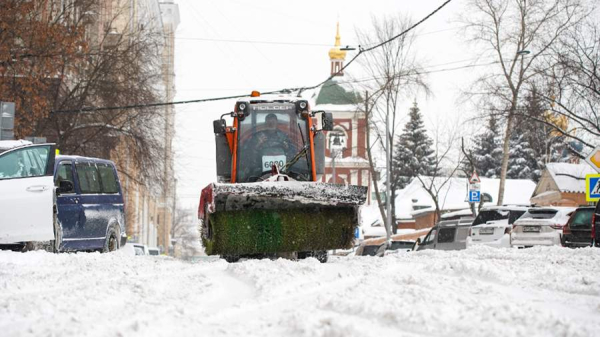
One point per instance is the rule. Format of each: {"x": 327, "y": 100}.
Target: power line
{"x": 150, "y": 105}
{"x": 255, "y": 41}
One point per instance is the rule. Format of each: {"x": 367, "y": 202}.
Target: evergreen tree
{"x": 414, "y": 154}
{"x": 522, "y": 162}
{"x": 487, "y": 152}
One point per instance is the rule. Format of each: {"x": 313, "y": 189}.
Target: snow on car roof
{"x": 9, "y": 144}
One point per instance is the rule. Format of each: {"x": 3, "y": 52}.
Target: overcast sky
{"x": 231, "y": 47}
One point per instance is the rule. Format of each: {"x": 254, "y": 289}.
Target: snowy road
{"x": 477, "y": 292}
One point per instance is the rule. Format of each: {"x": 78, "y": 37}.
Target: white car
{"x": 26, "y": 184}
{"x": 493, "y": 225}
{"x": 540, "y": 227}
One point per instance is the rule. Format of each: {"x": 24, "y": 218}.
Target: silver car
{"x": 447, "y": 235}
{"x": 540, "y": 227}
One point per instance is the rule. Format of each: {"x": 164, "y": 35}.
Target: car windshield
{"x": 490, "y": 215}
{"x": 370, "y": 250}
{"x": 582, "y": 218}
{"x": 272, "y": 134}
{"x": 539, "y": 214}
{"x": 401, "y": 245}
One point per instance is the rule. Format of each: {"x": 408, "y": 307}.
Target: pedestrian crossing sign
{"x": 592, "y": 187}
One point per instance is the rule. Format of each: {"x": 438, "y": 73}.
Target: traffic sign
{"x": 594, "y": 159}
{"x": 474, "y": 196}
{"x": 592, "y": 187}
{"x": 475, "y": 187}
{"x": 474, "y": 178}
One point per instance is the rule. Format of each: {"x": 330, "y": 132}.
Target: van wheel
{"x": 112, "y": 241}
{"x": 58, "y": 237}
{"x": 231, "y": 258}
{"x": 322, "y": 256}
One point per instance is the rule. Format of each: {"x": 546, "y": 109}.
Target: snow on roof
{"x": 337, "y": 107}
{"x": 462, "y": 212}
{"x": 569, "y": 177}
{"x": 452, "y": 194}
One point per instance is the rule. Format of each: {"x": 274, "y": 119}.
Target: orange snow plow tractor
{"x": 268, "y": 200}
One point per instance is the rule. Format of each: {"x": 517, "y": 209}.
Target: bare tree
{"x": 572, "y": 75}
{"x": 445, "y": 167}
{"x": 396, "y": 74}
{"x": 507, "y": 31}
{"x": 185, "y": 233}
{"x": 88, "y": 60}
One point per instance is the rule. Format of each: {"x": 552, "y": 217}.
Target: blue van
{"x": 89, "y": 204}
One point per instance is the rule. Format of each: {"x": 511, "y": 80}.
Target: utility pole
{"x": 388, "y": 191}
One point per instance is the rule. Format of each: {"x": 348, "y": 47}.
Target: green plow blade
{"x": 257, "y": 231}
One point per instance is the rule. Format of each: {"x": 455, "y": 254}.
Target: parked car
{"x": 89, "y": 200}
{"x": 153, "y": 251}
{"x": 74, "y": 203}
{"x": 493, "y": 225}
{"x": 26, "y": 194}
{"x": 578, "y": 230}
{"x": 140, "y": 249}
{"x": 375, "y": 247}
{"x": 540, "y": 226}
{"x": 447, "y": 235}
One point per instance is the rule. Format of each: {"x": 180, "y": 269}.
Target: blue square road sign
{"x": 474, "y": 196}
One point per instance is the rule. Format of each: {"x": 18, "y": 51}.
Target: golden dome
{"x": 335, "y": 53}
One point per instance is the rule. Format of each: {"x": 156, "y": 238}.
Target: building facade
{"x": 346, "y": 145}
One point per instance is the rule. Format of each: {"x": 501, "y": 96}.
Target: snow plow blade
{"x": 279, "y": 217}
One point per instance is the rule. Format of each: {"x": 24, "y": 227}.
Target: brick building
{"x": 346, "y": 145}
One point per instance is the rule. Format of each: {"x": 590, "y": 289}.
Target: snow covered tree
{"x": 413, "y": 155}
{"x": 522, "y": 163}
{"x": 487, "y": 151}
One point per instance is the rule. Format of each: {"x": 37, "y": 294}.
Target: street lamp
{"x": 336, "y": 147}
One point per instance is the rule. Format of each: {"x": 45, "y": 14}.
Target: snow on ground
{"x": 481, "y": 291}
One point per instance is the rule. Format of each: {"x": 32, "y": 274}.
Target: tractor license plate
{"x": 531, "y": 229}
{"x": 486, "y": 231}
{"x": 269, "y": 161}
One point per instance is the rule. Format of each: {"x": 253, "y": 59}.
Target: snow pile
{"x": 477, "y": 292}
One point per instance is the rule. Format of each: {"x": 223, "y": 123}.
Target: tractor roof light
{"x": 255, "y": 94}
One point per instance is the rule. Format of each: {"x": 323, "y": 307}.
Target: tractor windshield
{"x": 272, "y": 134}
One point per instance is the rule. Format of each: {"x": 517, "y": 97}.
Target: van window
{"x": 446, "y": 235}
{"x": 64, "y": 173}
{"x": 89, "y": 179}
{"x": 109, "y": 181}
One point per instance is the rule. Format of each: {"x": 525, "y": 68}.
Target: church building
{"x": 346, "y": 145}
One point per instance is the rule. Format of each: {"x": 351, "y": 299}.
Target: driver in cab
{"x": 268, "y": 146}
{"x": 272, "y": 136}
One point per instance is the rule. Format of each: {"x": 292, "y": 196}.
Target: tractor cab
{"x": 268, "y": 135}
